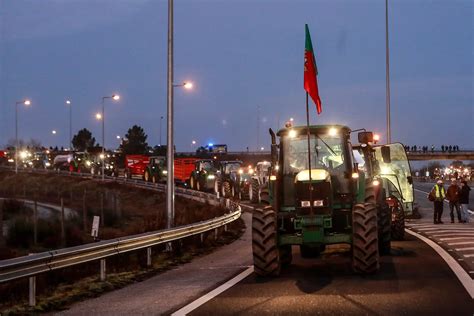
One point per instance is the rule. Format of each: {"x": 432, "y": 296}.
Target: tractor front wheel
{"x": 264, "y": 196}
{"x": 365, "y": 250}
{"x": 266, "y": 254}
{"x": 253, "y": 191}
{"x": 226, "y": 189}
{"x": 398, "y": 222}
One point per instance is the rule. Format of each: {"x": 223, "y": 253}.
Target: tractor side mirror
{"x": 365, "y": 137}
{"x": 274, "y": 147}
{"x": 385, "y": 150}
{"x": 410, "y": 179}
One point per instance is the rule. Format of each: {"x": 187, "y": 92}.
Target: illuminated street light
{"x": 25, "y": 102}
{"x": 98, "y": 116}
{"x": 291, "y": 119}
{"x": 262, "y": 148}
{"x": 102, "y": 117}
{"x": 193, "y": 142}
{"x": 118, "y": 137}
{"x": 53, "y": 132}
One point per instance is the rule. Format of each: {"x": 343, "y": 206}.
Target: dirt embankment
{"x": 124, "y": 210}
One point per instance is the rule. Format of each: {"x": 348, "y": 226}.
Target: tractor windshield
{"x": 326, "y": 153}
{"x": 232, "y": 167}
{"x": 206, "y": 165}
{"x": 398, "y": 173}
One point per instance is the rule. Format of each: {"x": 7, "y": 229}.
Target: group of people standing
{"x": 457, "y": 196}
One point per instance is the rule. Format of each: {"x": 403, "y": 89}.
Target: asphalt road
{"x": 413, "y": 280}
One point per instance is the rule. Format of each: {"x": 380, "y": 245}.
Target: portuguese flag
{"x": 310, "y": 72}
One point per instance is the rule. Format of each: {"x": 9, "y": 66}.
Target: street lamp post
{"x": 113, "y": 97}
{"x": 25, "y": 102}
{"x": 161, "y": 122}
{"x": 387, "y": 74}
{"x": 68, "y": 102}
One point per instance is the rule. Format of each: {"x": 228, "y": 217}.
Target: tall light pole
{"x": 169, "y": 125}
{"x": 113, "y": 97}
{"x": 387, "y": 73}
{"x": 161, "y": 122}
{"x": 25, "y": 102}
{"x": 68, "y": 102}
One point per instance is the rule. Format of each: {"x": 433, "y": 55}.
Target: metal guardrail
{"x": 32, "y": 265}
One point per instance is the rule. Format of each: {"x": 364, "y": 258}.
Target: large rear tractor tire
{"x": 245, "y": 193}
{"x": 266, "y": 255}
{"x": 253, "y": 191}
{"x": 365, "y": 250}
{"x": 226, "y": 189}
{"x": 398, "y": 222}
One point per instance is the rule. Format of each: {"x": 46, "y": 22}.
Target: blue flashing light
{"x": 210, "y": 144}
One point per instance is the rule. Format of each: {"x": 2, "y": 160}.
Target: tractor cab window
{"x": 231, "y": 167}
{"x": 326, "y": 153}
{"x": 206, "y": 165}
{"x": 397, "y": 172}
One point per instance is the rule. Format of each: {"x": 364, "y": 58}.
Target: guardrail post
{"x": 215, "y": 233}
{"x": 102, "y": 218}
{"x": 225, "y": 228}
{"x": 102, "y": 269}
{"x": 35, "y": 223}
{"x": 148, "y": 257}
{"x": 63, "y": 231}
{"x": 32, "y": 291}
{"x": 84, "y": 212}
{"x": 202, "y": 238}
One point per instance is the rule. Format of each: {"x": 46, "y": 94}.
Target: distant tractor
{"x": 155, "y": 171}
{"x": 259, "y": 183}
{"x": 227, "y": 178}
{"x": 335, "y": 201}
{"x": 203, "y": 177}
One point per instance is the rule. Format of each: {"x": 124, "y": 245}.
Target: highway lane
{"x": 413, "y": 280}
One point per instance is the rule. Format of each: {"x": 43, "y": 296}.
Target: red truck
{"x": 135, "y": 165}
{"x": 183, "y": 167}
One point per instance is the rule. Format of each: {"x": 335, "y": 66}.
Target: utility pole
{"x": 387, "y": 72}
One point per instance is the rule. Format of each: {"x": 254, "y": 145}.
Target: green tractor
{"x": 155, "y": 171}
{"x": 203, "y": 177}
{"x": 335, "y": 201}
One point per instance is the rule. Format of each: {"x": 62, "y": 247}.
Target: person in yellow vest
{"x": 438, "y": 194}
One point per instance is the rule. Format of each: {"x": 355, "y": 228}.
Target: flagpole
{"x": 309, "y": 158}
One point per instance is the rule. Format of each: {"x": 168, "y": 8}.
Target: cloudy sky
{"x": 245, "y": 58}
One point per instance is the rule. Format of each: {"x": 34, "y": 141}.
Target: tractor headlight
{"x": 250, "y": 171}
{"x": 47, "y": 164}
{"x": 164, "y": 172}
{"x": 273, "y": 178}
{"x": 88, "y": 163}
{"x": 211, "y": 177}
{"x": 316, "y": 174}
{"x": 11, "y": 160}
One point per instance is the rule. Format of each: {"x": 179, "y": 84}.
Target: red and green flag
{"x": 311, "y": 72}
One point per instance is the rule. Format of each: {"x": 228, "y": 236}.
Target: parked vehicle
{"x": 227, "y": 182}
{"x": 155, "y": 171}
{"x": 135, "y": 165}
{"x": 259, "y": 182}
{"x": 203, "y": 176}
{"x": 331, "y": 202}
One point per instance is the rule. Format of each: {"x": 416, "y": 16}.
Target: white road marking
{"x": 207, "y": 297}
{"x": 462, "y": 275}
{"x": 445, "y": 228}
{"x": 469, "y": 256}
{"x": 461, "y": 243}
{"x": 464, "y": 249}
{"x": 452, "y": 238}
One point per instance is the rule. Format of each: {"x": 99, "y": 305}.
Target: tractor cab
{"x": 332, "y": 185}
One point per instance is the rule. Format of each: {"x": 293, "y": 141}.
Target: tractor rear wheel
{"x": 365, "y": 251}
{"x": 264, "y": 196}
{"x": 266, "y": 255}
{"x": 226, "y": 189}
{"x": 398, "y": 222}
{"x": 253, "y": 191}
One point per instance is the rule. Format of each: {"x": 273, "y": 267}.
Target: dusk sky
{"x": 241, "y": 56}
